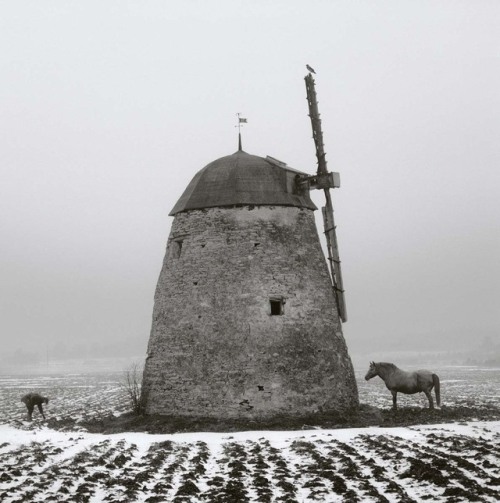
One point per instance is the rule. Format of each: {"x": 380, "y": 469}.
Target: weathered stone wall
{"x": 215, "y": 349}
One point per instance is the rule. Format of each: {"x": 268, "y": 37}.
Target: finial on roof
{"x": 241, "y": 121}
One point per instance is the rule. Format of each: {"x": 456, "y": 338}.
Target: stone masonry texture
{"x": 216, "y": 350}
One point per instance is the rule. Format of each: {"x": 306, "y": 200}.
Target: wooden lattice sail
{"x": 326, "y": 181}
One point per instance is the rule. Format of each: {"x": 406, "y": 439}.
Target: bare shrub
{"x": 133, "y": 384}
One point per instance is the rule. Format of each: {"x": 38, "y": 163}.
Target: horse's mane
{"x": 387, "y": 365}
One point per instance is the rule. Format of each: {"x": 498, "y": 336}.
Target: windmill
{"x": 325, "y": 180}
{"x": 244, "y": 308}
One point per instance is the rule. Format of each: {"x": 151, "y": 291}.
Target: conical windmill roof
{"x": 243, "y": 179}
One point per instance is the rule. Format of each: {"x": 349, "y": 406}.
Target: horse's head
{"x": 372, "y": 371}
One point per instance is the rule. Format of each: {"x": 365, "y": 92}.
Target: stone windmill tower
{"x": 247, "y": 320}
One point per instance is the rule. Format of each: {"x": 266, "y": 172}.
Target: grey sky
{"x": 108, "y": 109}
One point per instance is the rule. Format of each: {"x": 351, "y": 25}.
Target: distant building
{"x": 245, "y": 323}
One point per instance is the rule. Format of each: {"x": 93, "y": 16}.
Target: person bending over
{"x": 32, "y": 399}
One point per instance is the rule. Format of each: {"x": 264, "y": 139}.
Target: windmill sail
{"x": 325, "y": 180}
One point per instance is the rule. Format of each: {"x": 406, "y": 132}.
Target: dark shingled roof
{"x": 243, "y": 179}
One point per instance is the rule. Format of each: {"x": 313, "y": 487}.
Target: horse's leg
{"x": 429, "y": 397}
{"x": 30, "y": 412}
{"x": 394, "y": 400}
{"x": 437, "y": 389}
{"x": 40, "y": 408}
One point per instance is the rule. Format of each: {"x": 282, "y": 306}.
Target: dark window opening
{"x": 276, "y": 307}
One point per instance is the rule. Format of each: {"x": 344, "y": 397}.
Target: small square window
{"x": 276, "y": 307}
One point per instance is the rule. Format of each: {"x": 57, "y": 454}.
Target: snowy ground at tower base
{"x": 457, "y": 461}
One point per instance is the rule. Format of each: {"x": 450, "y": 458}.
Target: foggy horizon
{"x": 109, "y": 110}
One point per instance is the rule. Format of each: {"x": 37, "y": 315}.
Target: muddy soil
{"x": 451, "y": 464}
{"x": 365, "y": 416}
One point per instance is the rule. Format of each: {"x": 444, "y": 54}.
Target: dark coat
{"x": 32, "y": 399}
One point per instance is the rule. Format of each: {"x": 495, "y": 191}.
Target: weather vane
{"x": 241, "y": 120}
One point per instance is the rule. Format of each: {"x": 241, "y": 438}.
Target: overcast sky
{"x": 109, "y": 108}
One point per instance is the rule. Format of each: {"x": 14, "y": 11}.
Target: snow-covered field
{"x": 446, "y": 462}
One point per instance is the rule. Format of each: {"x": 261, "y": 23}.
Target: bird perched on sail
{"x": 310, "y": 69}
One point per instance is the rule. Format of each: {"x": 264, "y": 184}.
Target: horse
{"x": 32, "y": 399}
{"x": 406, "y": 382}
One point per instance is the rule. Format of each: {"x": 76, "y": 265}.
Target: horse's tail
{"x": 437, "y": 389}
